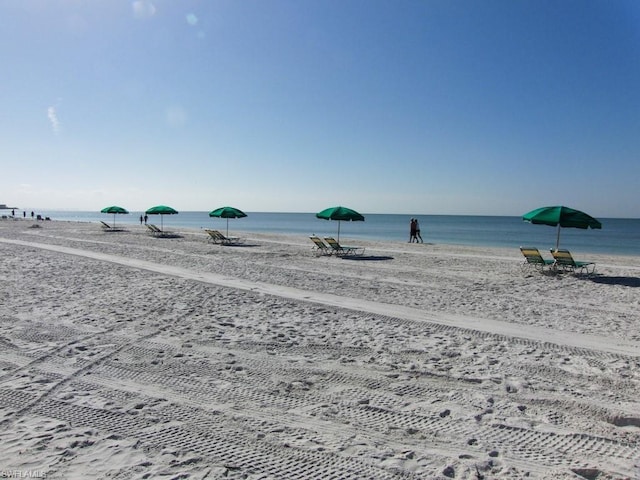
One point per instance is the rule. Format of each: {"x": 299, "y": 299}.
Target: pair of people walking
{"x": 414, "y": 231}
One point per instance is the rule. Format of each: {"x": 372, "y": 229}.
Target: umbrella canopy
{"x": 227, "y": 212}
{"x": 115, "y": 210}
{"x": 340, "y": 214}
{"x": 161, "y": 210}
{"x": 562, "y": 217}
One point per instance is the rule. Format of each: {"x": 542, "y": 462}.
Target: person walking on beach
{"x": 145, "y": 218}
{"x": 141, "y": 219}
{"x": 412, "y": 230}
{"x": 417, "y": 235}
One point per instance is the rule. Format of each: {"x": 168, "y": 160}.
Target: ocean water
{"x": 618, "y": 236}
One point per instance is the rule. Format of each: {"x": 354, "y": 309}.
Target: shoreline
{"x": 302, "y": 239}
{"x": 615, "y": 238}
{"x": 128, "y": 353}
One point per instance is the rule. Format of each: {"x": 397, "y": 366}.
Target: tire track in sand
{"x": 524, "y": 444}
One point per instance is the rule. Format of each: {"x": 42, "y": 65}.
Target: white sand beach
{"x": 127, "y": 356}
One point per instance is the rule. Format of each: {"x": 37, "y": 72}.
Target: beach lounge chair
{"x": 533, "y": 258}
{"x": 564, "y": 261}
{"x": 320, "y": 248}
{"x": 218, "y": 237}
{"x": 154, "y": 230}
{"x": 343, "y": 250}
{"x": 108, "y": 228}
{"x": 230, "y": 240}
{"x": 214, "y": 235}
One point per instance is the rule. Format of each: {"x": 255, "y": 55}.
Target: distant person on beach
{"x": 418, "y": 236}
{"x": 24, "y": 214}
{"x": 141, "y": 219}
{"x": 31, "y": 214}
{"x": 412, "y": 230}
{"x": 145, "y": 218}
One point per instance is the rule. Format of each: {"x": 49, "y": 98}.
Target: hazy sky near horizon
{"x": 401, "y": 106}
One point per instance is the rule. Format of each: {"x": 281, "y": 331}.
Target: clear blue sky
{"x": 398, "y": 106}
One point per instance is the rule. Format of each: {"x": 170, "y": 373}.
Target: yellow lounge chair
{"x": 214, "y": 235}
{"x": 217, "y": 237}
{"x": 108, "y": 228}
{"x": 533, "y": 258}
{"x": 156, "y": 232}
{"x": 320, "y": 247}
{"x": 564, "y": 261}
{"x": 343, "y": 250}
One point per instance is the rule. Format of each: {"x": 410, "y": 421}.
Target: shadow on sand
{"x": 624, "y": 281}
{"x": 239, "y": 245}
{"x": 366, "y": 257}
{"x": 166, "y": 235}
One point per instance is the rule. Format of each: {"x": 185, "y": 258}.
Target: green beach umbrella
{"x": 227, "y": 212}
{"x": 116, "y": 210}
{"x": 340, "y": 214}
{"x": 562, "y": 217}
{"x": 161, "y": 210}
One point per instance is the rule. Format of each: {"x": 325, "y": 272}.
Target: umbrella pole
{"x": 227, "y": 228}
{"x": 338, "y": 231}
{"x": 558, "y": 238}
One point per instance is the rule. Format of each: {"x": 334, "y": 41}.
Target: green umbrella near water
{"x": 341, "y": 214}
{"x": 227, "y": 212}
{"x": 562, "y": 217}
{"x": 115, "y": 210}
{"x": 161, "y": 210}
